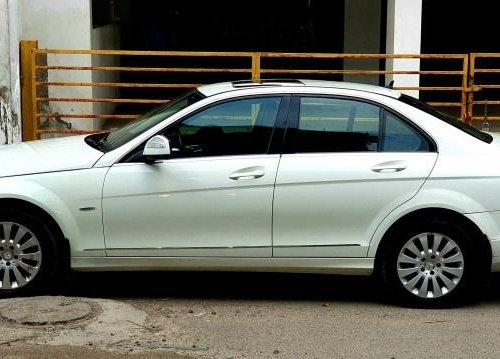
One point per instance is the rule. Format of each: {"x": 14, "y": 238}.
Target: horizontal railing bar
{"x": 493, "y": 118}
{"x": 362, "y": 56}
{"x": 486, "y": 54}
{"x": 247, "y": 54}
{"x": 487, "y": 86}
{"x": 486, "y": 102}
{"x": 141, "y": 69}
{"x": 445, "y": 104}
{"x": 68, "y": 132}
{"x": 360, "y": 72}
{"x": 114, "y": 84}
{"x": 72, "y": 115}
{"x": 428, "y": 88}
{"x": 364, "y": 72}
{"x": 487, "y": 71}
{"x": 100, "y": 100}
{"x": 144, "y": 53}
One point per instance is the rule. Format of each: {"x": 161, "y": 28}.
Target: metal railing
{"x": 39, "y": 84}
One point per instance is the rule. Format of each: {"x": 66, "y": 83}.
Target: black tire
{"x": 45, "y": 279}
{"x": 392, "y": 269}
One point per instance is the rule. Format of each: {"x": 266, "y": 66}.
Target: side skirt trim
{"x": 346, "y": 266}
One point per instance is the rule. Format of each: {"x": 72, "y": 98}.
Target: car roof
{"x": 217, "y": 88}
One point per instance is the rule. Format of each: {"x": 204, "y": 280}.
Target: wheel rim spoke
{"x": 20, "y": 234}
{"x": 19, "y": 277}
{"x": 411, "y": 284}
{"x": 438, "y": 238}
{"x": 36, "y": 256}
{"x": 424, "y": 241}
{"x": 403, "y": 258}
{"x": 430, "y": 274}
{"x": 7, "y": 228}
{"x": 28, "y": 244}
{"x": 457, "y": 272}
{"x": 6, "y": 279}
{"x": 422, "y": 292}
{"x": 413, "y": 248}
{"x": 436, "y": 288}
{"x": 457, "y": 257}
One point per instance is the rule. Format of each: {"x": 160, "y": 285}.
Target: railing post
{"x": 29, "y": 106}
{"x": 470, "y": 88}
{"x": 256, "y": 67}
{"x": 464, "y": 99}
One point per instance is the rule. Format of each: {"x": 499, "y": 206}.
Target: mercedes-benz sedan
{"x": 285, "y": 176}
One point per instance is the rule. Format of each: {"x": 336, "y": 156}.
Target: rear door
{"x": 347, "y": 164}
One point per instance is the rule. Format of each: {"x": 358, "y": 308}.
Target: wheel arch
{"x": 483, "y": 248}
{"x": 55, "y": 229}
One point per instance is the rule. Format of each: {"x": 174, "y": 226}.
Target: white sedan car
{"x": 277, "y": 176}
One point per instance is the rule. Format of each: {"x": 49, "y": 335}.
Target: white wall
{"x": 362, "y": 35}
{"x": 404, "y": 31}
{"x": 10, "y": 107}
{"x": 62, "y": 25}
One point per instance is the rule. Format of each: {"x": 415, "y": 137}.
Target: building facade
{"x": 333, "y": 26}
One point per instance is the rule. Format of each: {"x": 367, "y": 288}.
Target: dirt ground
{"x": 242, "y": 315}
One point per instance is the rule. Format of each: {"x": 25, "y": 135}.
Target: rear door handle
{"x": 391, "y": 166}
{"x": 247, "y": 173}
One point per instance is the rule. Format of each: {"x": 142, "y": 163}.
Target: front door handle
{"x": 391, "y": 166}
{"x": 248, "y": 173}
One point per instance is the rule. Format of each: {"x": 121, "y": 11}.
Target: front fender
{"x": 72, "y": 198}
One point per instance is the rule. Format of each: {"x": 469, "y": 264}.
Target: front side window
{"x": 240, "y": 127}
{"x": 345, "y": 125}
{"x": 106, "y": 142}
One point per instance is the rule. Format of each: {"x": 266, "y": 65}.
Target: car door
{"x": 212, "y": 197}
{"x": 347, "y": 164}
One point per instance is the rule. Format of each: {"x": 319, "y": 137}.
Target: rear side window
{"x": 485, "y": 137}
{"x": 398, "y": 136}
{"x": 345, "y": 125}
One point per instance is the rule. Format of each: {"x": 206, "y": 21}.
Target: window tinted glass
{"x": 401, "y": 137}
{"x": 485, "y": 137}
{"x": 341, "y": 125}
{"x": 232, "y": 128}
{"x": 337, "y": 125}
{"x": 110, "y": 141}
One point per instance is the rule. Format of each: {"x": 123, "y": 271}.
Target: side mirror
{"x": 156, "y": 148}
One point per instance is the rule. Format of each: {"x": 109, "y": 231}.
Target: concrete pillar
{"x": 404, "y": 30}
{"x": 362, "y": 36}
{"x": 10, "y": 106}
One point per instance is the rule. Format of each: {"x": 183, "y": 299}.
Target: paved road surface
{"x": 225, "y": 315}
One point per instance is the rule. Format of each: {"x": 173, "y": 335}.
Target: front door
{"x": 213, "y": 197}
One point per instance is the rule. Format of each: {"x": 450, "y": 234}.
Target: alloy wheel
{"x": 20, "y": 255}
{"x": 430, "y": 265}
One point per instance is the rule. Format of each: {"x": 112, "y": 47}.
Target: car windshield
{"x": 447, "y": 118}
{"x": 108, "y": 141}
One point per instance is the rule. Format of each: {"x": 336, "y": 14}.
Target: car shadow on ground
{"x": 223, "y": 285}
{"x": 241, "y": 286}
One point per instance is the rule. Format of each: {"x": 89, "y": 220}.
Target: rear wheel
{"x": 430, "y": 263}
{"x": 27, "y": 254}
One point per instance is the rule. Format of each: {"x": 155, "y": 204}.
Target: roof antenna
{"x": 390, "y": 85}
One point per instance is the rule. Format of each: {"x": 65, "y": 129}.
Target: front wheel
{"x": 27, "y": 254}
{"x": 430, "y": 264}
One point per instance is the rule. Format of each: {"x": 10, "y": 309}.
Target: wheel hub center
{"x": 7, "y": 255}
{"x": 429, "y": 266}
